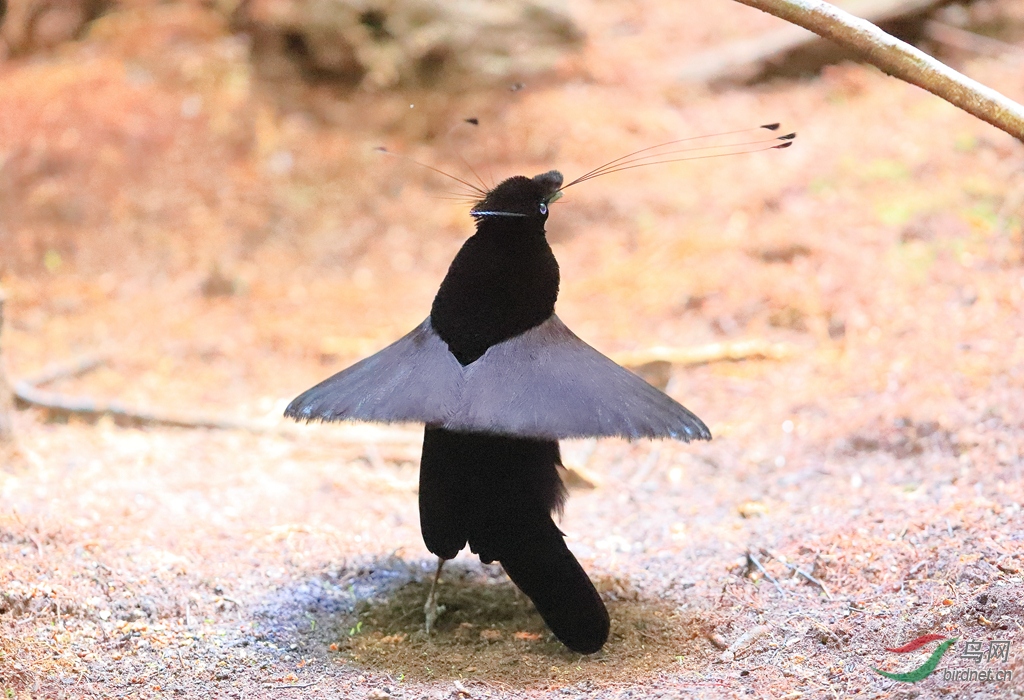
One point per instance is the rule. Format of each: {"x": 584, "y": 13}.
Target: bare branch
{"x": 900, "y": 60}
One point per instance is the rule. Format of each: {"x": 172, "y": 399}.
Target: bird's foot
{"x": 431, "y": 609}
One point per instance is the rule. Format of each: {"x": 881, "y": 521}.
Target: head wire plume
{"x": 475, "y": 189}
{"x": 656, "y": 156}
{"x": 652, "y": 155}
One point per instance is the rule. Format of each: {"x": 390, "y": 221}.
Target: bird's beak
{"x": 555, "y": 197}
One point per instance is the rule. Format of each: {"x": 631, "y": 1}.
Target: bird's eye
{"x": 543, "y": 208}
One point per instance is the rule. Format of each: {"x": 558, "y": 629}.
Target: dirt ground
{"x": 225, "y": 248}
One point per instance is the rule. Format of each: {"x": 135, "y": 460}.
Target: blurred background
{"x": 191, "y": 189}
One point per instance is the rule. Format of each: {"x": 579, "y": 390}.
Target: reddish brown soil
{"x": 883, "y": 458}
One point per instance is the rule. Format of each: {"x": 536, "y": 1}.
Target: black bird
{"x": 498, "y": 379}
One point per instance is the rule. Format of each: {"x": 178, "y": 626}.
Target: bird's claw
{"x": 432, "y": 611}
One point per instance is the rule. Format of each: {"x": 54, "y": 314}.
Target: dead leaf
{"x": 527, "y": 636}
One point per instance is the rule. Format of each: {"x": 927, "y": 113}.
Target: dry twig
{"x": 706, "y": 354}
{"x": 744, "y": 641}
{"x": 28, "y": 392}
{"x": 797, "y": 570}
{"x": 753, "y": 562}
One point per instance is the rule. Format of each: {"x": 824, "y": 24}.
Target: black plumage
{"x": 498, "y": 493}
{"x": 498, "y": 379}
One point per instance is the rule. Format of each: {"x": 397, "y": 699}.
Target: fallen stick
{"x": 797, "y": 571}
{"x": 85, "y": 407}
{"x": 752, "y": 562}
{"x": 744, "y": 641}
{"x": 706, "y": 354}
{"x": 66, "y": 370}
{"x": 28, "y": 393}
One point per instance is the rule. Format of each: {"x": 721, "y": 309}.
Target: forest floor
{"x": 224, "y": 251}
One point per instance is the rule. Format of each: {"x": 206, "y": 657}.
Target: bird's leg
{"x": 431, "y": 608}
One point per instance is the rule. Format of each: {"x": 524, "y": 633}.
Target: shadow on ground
{"x": 371, "y": 617}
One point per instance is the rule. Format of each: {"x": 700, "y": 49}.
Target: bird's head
{"x": 520, "y": 197}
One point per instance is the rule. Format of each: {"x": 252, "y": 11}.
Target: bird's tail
{"x": 546, "y": 571}
{"x": 498, "y": 493}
